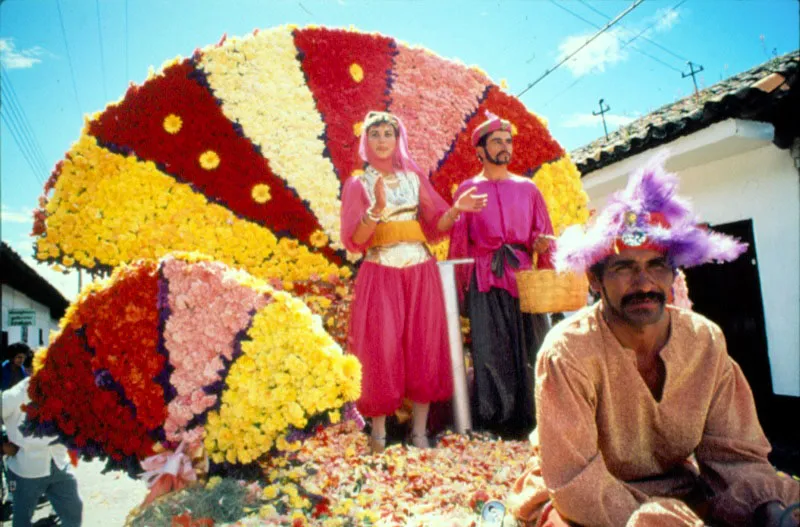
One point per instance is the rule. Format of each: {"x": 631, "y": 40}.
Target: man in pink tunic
{"x": 501, "y": 238}
{"x": 643, "y": 417}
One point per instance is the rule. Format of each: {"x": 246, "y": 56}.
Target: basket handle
{"x": 535, "y": 255}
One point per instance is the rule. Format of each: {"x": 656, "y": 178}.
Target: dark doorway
{"x": 730, "y": 295}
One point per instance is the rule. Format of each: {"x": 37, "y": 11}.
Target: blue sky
{"x": 57, "y": 76}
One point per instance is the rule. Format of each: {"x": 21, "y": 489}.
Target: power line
{"x": 18, "y": 113}
{"x": 651, "y": 41}
{"x": 102, "y": 53}
{"x": 26, "y": 154}
{"x": 605, "y": 28}
{"x": 26, "y": 139}
{"x": 69, "y": 57}
{"x": 562, "y": 92}
{"x": 639, "y": 35}
{"x": 625, "y": 44}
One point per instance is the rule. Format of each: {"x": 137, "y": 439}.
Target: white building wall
{"x": 13, "y": 299}
{"x": 763, "y": 185}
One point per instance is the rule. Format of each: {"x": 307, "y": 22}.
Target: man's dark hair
{"x": 15, "y": 349}
{"x": 597, "y": 269}
{"x": 482, "y": 140}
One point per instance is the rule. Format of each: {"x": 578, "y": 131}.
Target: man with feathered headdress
{"x": 643, "y": 418}
{"x": 501, "y": 238}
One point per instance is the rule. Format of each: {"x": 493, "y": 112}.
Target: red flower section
{"x": 348, "y": 74}
{"x": 64, "y": 393}
{"x": 533, "y": 144}
{"x": 122, "y": 329}
{"x": 138, "y": 123}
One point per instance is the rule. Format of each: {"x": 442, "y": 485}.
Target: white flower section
{"x": 262, "y": 87}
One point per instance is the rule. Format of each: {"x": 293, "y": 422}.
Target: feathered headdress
{"x": 646, "y": 215}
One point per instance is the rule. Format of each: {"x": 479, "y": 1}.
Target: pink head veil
{"x": 401, "y": 159}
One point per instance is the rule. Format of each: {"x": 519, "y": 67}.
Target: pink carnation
{"x": 208, "y": 308}
{"x": 434, "y": 97}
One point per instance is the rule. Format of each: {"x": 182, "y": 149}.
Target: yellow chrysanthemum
{"x": 514, "y": 130}
{"x": 271, "y": 492}
{"x": 39, "y": 358}
{"x": 357, "y": 72}
{"x": 261, "y": 193}
{"x": 357, "y": 127}
{"x": 209, "y": 160}
{"x": 318, "y": 239}
{"x": 560, "y": 185}
{"x": 173, "y": 124}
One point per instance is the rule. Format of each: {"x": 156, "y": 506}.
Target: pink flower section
{"x": 208, "y": 308}
{"x": 680, "y": 292}
{"x": 434, "y": 97}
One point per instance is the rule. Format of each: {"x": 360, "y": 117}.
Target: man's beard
{"x": 631, "y": 316}
{"x": 497, "y": 161}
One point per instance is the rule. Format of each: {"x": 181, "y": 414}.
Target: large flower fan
{"x": 240, "y": 152}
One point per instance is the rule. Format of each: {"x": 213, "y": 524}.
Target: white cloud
{"x": 587, "y": 120}
{"x": 610, "y": 47}
{"x": 9, "y": 216}
{"x": 13, "y": 59}
{"x": 666, "y": 19}
{"x": 605, "y": 49}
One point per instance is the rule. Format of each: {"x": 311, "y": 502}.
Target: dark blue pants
{"x": 60, "y": 487}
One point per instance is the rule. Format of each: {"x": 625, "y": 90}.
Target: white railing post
{"x": 461, "y": 412}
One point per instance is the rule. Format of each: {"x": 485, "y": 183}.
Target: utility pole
{"x": 692, "y": 73}
{"x": 602, "y": 114}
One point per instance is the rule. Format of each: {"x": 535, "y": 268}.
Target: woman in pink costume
{"x": 398, "y": 328}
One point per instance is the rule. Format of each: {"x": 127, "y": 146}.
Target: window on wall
{"x": 24, "y": 337}
{"x": 41, "y": 337}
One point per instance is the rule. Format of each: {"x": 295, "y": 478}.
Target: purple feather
{"x": 650, "y": 189}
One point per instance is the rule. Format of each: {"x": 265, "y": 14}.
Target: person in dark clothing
{"x": 501, "y": 238}
{"x": 13, "y": 368}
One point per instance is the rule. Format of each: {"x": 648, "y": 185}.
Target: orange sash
{"x": 392, "y": 232}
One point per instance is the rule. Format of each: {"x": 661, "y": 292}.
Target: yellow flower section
{"x": 289, "y": 371}
{"x": 263, "y": 88}
{"x": 117, "y": 209}
{"x": 560, "y": 185}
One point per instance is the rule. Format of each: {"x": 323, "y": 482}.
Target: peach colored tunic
{"x": 606, "y": 453}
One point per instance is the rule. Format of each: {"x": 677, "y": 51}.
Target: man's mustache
{"x": 638, "y": 297}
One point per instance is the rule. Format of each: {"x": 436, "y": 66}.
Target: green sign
{"x": 21, "y": 317}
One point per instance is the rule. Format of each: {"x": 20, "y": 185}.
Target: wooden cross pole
{"x": 602, "y": 114}
{"x": 692, "y": 73}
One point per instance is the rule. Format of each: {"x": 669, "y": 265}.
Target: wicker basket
{"x": 546, "y": 291}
